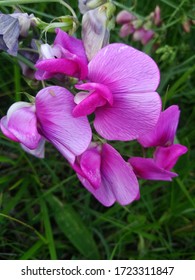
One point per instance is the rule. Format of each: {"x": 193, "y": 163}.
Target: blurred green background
{"x": 45, "y": 213}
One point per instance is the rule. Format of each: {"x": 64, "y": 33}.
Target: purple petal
{"x": 95, "y": 31}
{"x": 167, "y": 157}
{"x": 5, "y": 130}
{"x": 143, "y": 35}
{"x": 98, "y": 96}
{"x": 74, "y": 46}
{"x": 88, "y": 105}
{"x": 130, "y": 116}
{"x": 126, "y": 30}
{"x": 118, "y": 175}
{"x": 165, "y": 130}
{"x": 103, "y": 194}
{"x": 54, "y": 66}
{"x": 22, "y": 123}
{"x": 124, "y": 70}
{"x": 124, "y": 17}
{"x": 147, "y": 168}
{"x": 39, "y": 152}
{"x": 90, "y": 163}
{"x": 71, "y": 136}
{"x": 119, "y": 183}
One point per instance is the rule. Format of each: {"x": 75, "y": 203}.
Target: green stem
{"x": 21, "y": 2}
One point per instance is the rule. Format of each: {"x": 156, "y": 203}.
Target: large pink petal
{"x": 164, "y": 132}
{"x": 147, "y": 168}
{"x": 166, "y": 157}
{"x": 22, "y": 123}
{"x": 130, "y": 116}
{"x": 71, "y": 136}
{"x": 124, "y": 70}
{"x": 118, "y": 176}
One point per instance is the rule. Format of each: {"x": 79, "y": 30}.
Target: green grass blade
{"x": 73, "y": 228}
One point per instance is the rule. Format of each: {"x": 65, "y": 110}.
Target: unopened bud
{"x": 86, "y": 5}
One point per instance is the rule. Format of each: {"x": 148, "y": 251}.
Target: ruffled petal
{"x": 164, "y": 132}
{"x": 71, "y": 136}
{"x": 130, "y": 116}
{"x": 22, "y": 123}
{"x": 147, "y": 168}
{"x": 39, "y": 152}
{"x": 166, "y": 157}
{"x": 124, "y": 70}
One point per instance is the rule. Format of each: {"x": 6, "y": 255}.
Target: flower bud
{"x": 86, "y": 5}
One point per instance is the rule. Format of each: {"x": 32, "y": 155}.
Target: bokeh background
{"x": 45, "y": 213}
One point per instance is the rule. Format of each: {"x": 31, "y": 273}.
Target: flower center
{"x": 94, "y": 95}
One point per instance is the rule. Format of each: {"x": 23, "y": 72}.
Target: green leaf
{"x": 72, "y": 226}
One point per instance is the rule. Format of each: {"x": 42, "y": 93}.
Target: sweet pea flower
{"x": 66, "y": 56}
{"x": 121, "y": 92}
{"x": 164, "y": 132}
{"x": 158, "y": 167}
{"x": 50, "y": 118}
{"x": 105, "y": 174}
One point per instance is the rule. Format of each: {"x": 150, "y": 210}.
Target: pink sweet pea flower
{"x": 158, "y": 168}
{"x": 49, "y": 118}
{"x": 105, "y": 174}
{"x": 66, "y": 56}
{"x": 121, "y": 93}
{"x": 164, "y": 132}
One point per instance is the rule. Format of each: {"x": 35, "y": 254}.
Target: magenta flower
{"x": 105, "y": 174}
{"x": 158, "y": 167}
{"x": 66, "y": 56}
{"x": 164, "y": 132}
{"x": 121, "y": 93}
{"x": 49, "y": 118}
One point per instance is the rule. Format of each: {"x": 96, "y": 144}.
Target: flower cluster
{"x": 140, "y": 30}
{"x": 118, "y": 85}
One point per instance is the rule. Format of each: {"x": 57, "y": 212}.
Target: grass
{"x": 45, "y": 213}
